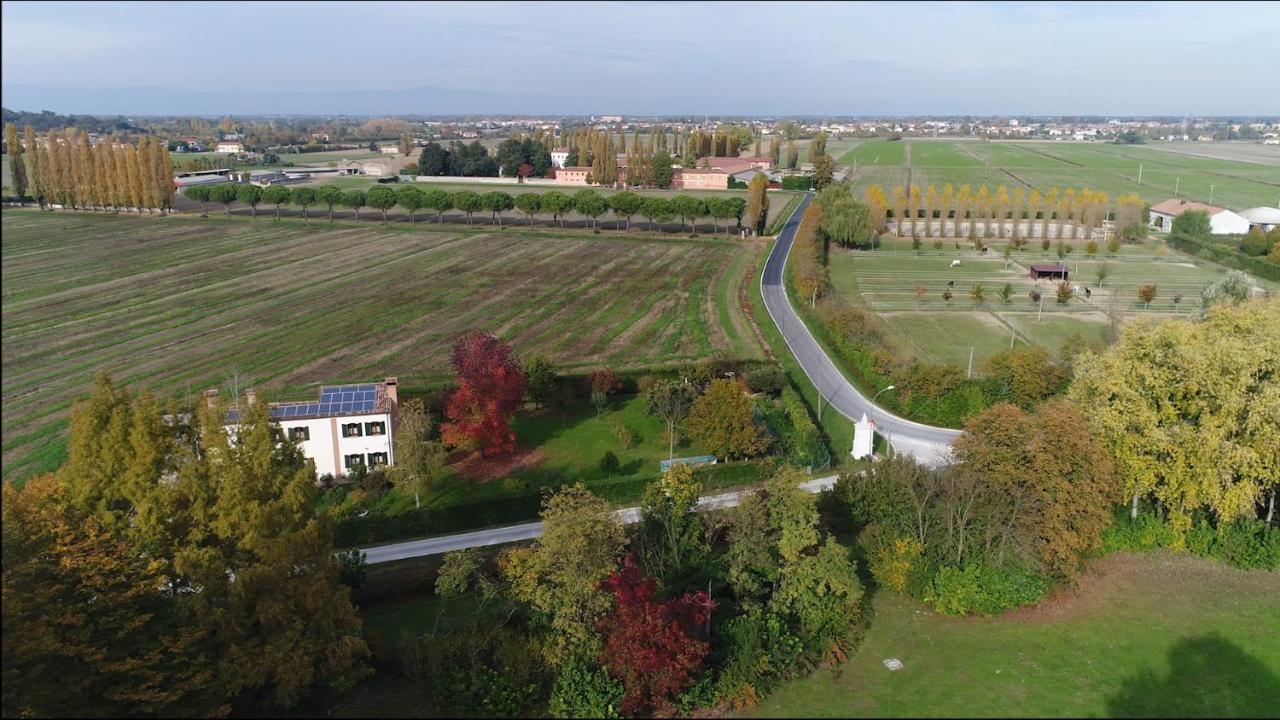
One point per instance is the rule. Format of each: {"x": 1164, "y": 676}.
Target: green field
{"x": 1041, "y": 165}
{"x": 1159, "y": 635}
{"x": 176, "y": 305}
{"x": 886, "y": 280}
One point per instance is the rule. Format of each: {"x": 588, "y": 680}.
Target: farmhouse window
{"x": 353, "y": 461}
{"x": 351, "y": 430}
{"x": 375, "y": 428}
{"x": 376, "y": 459}
{"x": 299, "y": 434}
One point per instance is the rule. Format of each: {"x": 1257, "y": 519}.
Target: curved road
{"x": 926, "y": 443}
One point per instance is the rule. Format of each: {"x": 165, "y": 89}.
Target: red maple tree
{"x": 652, "y": 647}
{"x": 490, "y": 389}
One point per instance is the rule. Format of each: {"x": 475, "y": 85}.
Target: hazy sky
{"x": 657, "y": 57}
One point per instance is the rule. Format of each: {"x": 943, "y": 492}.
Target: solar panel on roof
{"x": 346, "y": 407}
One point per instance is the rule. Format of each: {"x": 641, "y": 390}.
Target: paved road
{"x": 930, "y": 445}
{"x": 528, "y": 531}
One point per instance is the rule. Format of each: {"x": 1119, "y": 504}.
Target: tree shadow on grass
{"x": 1208, "y": 677}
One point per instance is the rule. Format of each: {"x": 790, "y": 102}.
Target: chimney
{"x": 251, "y": 396}
{"x": 211, "y": 397}
{"x": 390, "y": 385}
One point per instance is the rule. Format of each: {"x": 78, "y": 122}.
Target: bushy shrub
{"x": 765, "y": 379}
{"x": 609, "y": 463}
{"x": 978, "y": 588}
{"x": 1246, "y": 543}
{"x": 760, "y": 651}
{"x": 895, "y": 562}
{"x": 585, "y": 691}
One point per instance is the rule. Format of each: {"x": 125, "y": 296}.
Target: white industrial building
{"x": 348, "y": 427}
{"x": 1262, "y": 217}
{"x": 1221, "y": 220}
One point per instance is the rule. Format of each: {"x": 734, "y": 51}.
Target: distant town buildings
{"x": 230, "y": 146}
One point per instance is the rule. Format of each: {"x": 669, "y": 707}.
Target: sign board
{"x": 695, "y": 461}
{"x": 863, "y": 432}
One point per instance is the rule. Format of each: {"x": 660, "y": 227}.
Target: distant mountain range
{"x": 133, "y": 101}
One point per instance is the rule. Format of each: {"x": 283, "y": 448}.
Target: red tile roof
{"x": 1175, "y": 207}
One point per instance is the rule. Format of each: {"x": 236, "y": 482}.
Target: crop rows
{"x": 176, "y": 305}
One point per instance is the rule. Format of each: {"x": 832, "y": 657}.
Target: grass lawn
{"x": 175, "y": 305}
{"x": 1144, "y": 635}
{"x": 948, "y": 337}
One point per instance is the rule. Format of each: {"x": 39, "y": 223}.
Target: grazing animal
{"x": 951, "y": 283}
{"x": 1087, "y": 293}
{"x": 955, "y": 263}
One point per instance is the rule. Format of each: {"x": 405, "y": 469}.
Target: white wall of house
{"x": 558, "y": 159}
{"x": 331, "y": 451}
{"x": 1228, "y": 223}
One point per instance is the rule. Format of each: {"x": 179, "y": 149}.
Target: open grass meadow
{"x": 176, "y": 305}
{"x": 1246, "y": 175}
{"x": 1161, "y": 635}
{"x": 907, "y": 288}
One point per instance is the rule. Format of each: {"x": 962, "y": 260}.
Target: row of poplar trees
{"x": 1079, "y": 211}
{"x": 63, "y": 168}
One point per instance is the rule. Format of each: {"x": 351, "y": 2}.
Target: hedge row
{"x": 1225, "y": 255}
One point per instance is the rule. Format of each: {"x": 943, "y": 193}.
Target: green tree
{"x": 382, "y": 198}
{"x": 251, "y": 195}
{"x": 17, "y": 169}
{"x": 590, "y": 204}
{"x": 354, "y": 200}
{"x": 723, "y": 421}
{"x": 1212, "y": 449}
{"x": 412, "y": 199}
{"x": 1192, "y": 223}
{"x": 625, "y": 204}
{"x": 303, "y": 197}
{"x": 1255, "y": 242}
{"x": 195, "y": 192}
{"x": 497, "y": 203}
{"x": 540, "y": 379}
{"x": 757, "y": 203}
{"x": 687, "y": 207}
{"x": 419, "y": 459}
{"x": 329, "y": 195}
{"x": 276, "y": 195}
{"x": 657, "y": 210}
{"x": 671, "y": 531}
{"x": 824, "y": 170}
{"x": 663, "y": 172}
{"x": 225, "y": 193}
{"x": 468, "y": 202}
{"x": 671, "y": 402}
{"x": 560, "y": 573}
{"x": 438, "y": 200}
{"x": 529, "y": 204}
{"x": 558, "y": 204}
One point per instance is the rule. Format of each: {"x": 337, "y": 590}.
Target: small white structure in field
{"x": 893, "y": 664}
{"x": 955, "y": 263}
{"x": 863, "y": 432}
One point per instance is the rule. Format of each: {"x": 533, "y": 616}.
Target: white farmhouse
{"x": 230, "y": 146}
{"x": 1221, "y": 220}
{"x": 559, "y": 157}
{"x": 350, "y": 426}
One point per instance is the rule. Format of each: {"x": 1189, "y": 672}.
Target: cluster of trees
{"x": 466, "y": 160}
{"x": 588, "y": 203}
{"x": 65, "y": 169}
{"x": 691, "y": 610}
{"x": 166, "y": 569}
{"x": 806, "y": 265}
{"x": 845, "y": 220}
{"x": 1257, "y": 243}
{"x": 1004, "y": 214}
{"x": 46, "y": 120}
{"x": 1022, "y": 507}
{"x": 1212, "y": 451}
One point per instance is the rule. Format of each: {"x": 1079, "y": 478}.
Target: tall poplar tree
{"x": 17, "y": 170}
{"x": 757, "y": 203}
{"x": 35, "y": 167}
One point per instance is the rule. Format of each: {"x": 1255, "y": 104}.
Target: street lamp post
{"x": 886, "y": 389}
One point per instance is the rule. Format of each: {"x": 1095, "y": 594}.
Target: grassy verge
{"x": 1121, "y": 645}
